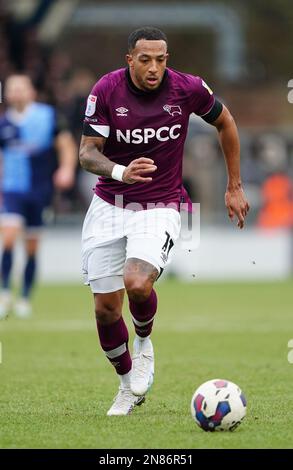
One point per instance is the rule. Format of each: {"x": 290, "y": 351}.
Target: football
{"x": 218, "y": 405}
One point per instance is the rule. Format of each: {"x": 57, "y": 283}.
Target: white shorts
{"x": 111, "y": 235}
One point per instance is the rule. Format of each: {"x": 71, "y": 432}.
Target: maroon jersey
{"x": 146, "y": 124}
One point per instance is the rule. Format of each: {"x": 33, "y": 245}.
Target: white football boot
{"x": 124, "y": 402}
{"x": 23, "y": 308}
{"x": 143, "y": 364}
{"x": 5, "y": 303}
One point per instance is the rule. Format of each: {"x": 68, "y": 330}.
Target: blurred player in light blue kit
{"x": 30, "y": 134}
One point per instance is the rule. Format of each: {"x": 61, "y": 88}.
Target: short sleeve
{"x": 202, "y": 99}
{"x": 96, "y": 122}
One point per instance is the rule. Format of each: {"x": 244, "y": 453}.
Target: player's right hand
{"x": 137, "y": 170}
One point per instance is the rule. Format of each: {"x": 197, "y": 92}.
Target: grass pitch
{"x": 56, "y": 384}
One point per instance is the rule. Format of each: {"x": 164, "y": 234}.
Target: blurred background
{"x": 244, "y": 52}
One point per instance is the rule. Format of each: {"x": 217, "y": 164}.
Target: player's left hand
{"x": 237, "y": 204}
{"x": 63, "y": 178}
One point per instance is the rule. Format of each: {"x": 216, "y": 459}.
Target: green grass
{"x": 56, "y": 385}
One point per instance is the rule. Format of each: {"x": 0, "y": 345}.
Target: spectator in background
{"x": 29, "y": 134}
{"x": 277, "y": 199}
{"x": 82, "y": 80}
{"x": 277, "y": 189}
{"x": 6, "y": 65}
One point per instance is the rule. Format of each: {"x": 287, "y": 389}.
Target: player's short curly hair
{"x": 147, "y": 32}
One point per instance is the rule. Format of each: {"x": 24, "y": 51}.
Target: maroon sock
{"x": 143, "y": 314}
{"x": 114, "y": 341}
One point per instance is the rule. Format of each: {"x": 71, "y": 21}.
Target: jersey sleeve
{"x": 96, "y": 122}
{"x": 204, "y": 103}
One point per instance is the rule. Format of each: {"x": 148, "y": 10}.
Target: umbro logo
{"x": 121, "y": 111}
{"x": 172, "y": 110}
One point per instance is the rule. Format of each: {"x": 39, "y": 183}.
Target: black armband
{"x": 214, "y": 113}
{"x": 89, "y": 131}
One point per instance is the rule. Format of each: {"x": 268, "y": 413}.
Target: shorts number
{"x": 168, "y": 244}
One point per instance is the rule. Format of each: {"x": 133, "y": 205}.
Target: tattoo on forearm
{"x": 94, "y": 161}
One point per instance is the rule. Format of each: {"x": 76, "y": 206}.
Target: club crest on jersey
{"x": 91, "y": 105}
{"x": 172, "y": 110}
{"x": 122, "y": 111}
